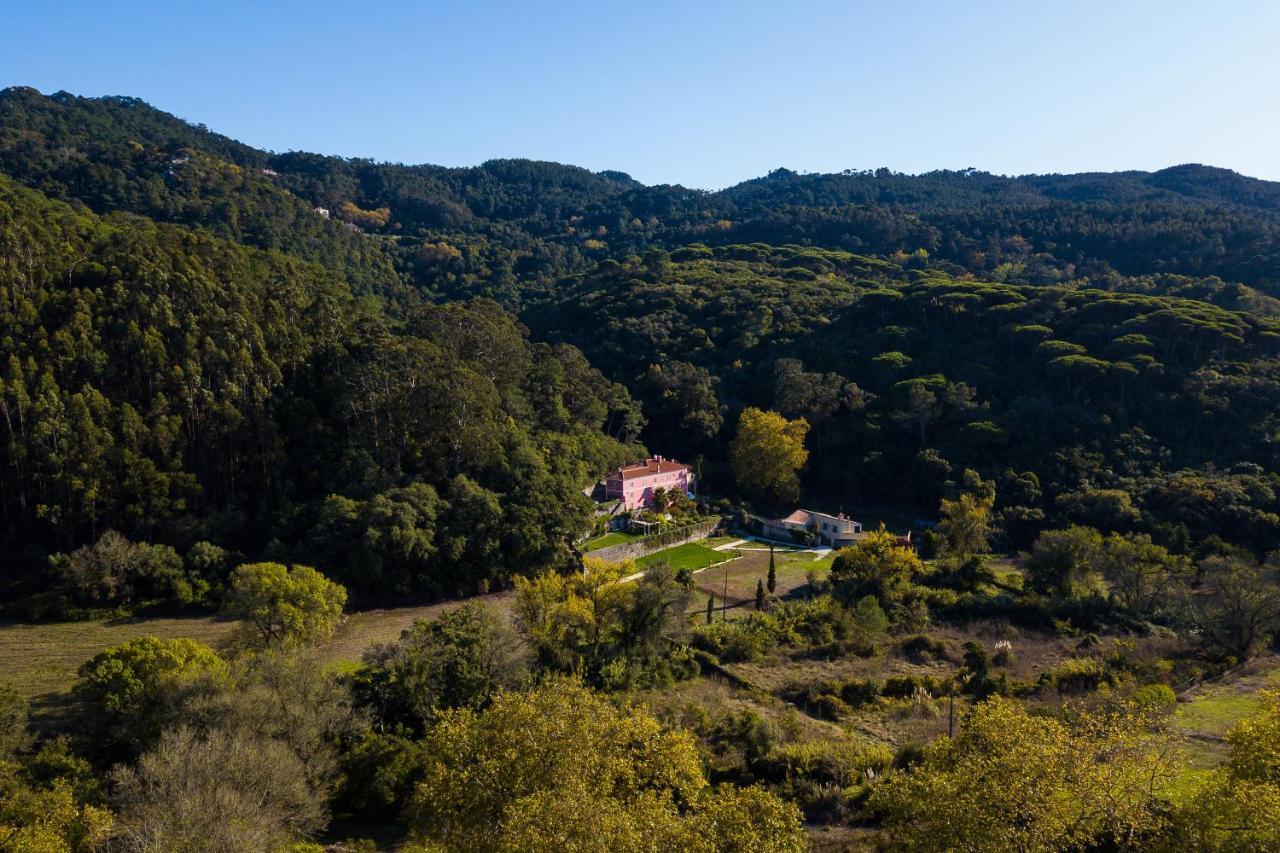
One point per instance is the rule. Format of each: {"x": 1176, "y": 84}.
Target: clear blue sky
{"x": 700, "y": 93}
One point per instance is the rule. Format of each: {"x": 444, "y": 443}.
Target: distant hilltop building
{"x": 634, "y": 485}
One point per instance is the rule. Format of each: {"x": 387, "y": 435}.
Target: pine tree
{"x": 711, "y": 607}
{"x": 773, "y": 572}
{"x": 759, "y": 594}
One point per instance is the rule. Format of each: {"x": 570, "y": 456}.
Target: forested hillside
{"x": 206, "y": 333}
{"x": 909, "y": 376}
{"x": 178, "y": 388}
{"x": 272, "y": 386}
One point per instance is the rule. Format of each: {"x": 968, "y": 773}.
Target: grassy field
{"x": 608, "y": 540}
{"x": 1209, "y": 711}
{"x": 691, "y": 555}
{"x": 40, "y": 660}
{"x": 791, "y": 568}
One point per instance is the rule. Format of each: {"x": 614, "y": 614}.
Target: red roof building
{"x": 634, "y": 485}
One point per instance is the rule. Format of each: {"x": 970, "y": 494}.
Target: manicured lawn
{"x": 692, "y": 555}
{"x": 607, "y": 540}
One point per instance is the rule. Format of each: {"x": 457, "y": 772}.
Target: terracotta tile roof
{"x": 656, "y": 465}
{"x": 800, "y": 516}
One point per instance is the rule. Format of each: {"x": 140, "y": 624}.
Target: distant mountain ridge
{"x": 510, "y": 228}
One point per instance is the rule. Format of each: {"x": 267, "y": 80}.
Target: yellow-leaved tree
{"x": 562, "y": 768}
{"x": 1011, "y": 780}
{"x": 875, "y": 565}
{"x": 572, "y": 621}
{"x": 767, "y": 455}
{"x": 283, "y": 605}
{"x": 1238, "y": 807}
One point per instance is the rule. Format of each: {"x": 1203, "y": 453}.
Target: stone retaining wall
{"x": 646, "y": 545}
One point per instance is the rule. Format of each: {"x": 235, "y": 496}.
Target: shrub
{"x": 922, "y": 648}
{"x": 745, "y": 732}
{"x": 1003, "y": 653}
{"x": 14, "y": 711}
{"x": 1154, "y": 697}
{"x": 743, "y": 639}
{"x": 129, "y": 686}
{"x": 860, "y": 691}
{"x": 829, "y": 706}
{"x": 455, "y": 661}
{"x": 920, "y": 705}
{"x": 1078, "y": 675}
{"x": 380, "y": 771}
{"x": 815, "y": 622}
{"x": 904, "y": 686}
{"x": 841, "y": 763}
{"x": 117, "y": 574}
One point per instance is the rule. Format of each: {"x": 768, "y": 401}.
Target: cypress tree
{"x": 773, "y": 573}
{"x": 711, "y": 607}
{"x": 759, "y": 594}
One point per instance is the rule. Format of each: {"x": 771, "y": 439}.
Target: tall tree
{"x": 284, "y": 605}
{"x": 767, "y": 454}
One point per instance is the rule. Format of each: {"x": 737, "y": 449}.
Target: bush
{"x": 115, "y": 574}
{"x": 840, "y": 763}
{"x": 815, "y": 622}
{"x": 455, "y": 661}
{"x": 918, "y": 706}
{"x": 380, "y": 774}
{"x": 922, "y": 648}
{"x": 860, "y": 691}
{"x": 130, "y": 687}
{"x": 1078, "y": 675}
{"x": 1154, "y": 697}
{"x": 14, "y": 711}
{"x": 744, "y": 733}
{"x": 904, "y": 686}
{"x": 743, "y": 639}
{"x": 938, "y": 598}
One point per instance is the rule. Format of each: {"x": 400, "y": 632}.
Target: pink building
{"x": 634, "y": 485}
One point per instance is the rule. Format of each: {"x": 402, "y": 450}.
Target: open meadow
{"x": 40, "y": 660}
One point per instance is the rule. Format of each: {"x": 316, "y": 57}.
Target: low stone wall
{"x": 646, "y": 545}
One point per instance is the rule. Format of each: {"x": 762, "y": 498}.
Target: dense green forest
{"x": 1071, "y": 396}
{"x": 221, "y": 367}
{"x": 201, "y": 337}
{"x": 177, "y": 388}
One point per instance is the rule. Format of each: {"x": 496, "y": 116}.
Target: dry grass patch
{"x": 790, "y": 567}
{"x": 40, "y": 660}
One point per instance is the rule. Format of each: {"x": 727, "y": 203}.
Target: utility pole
{"x": 724, "y": 601}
